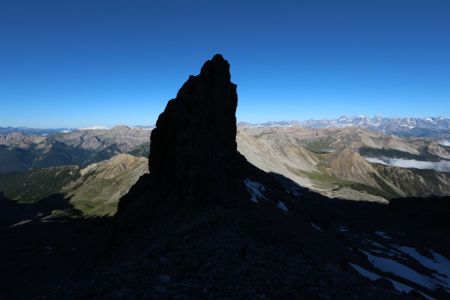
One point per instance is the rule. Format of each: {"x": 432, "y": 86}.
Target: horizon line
{"x": 237, "y": 122}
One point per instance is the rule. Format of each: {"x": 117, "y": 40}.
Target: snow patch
{"x": 391, "y": 266}
{"x": 20, "y": 223}
{"x": 376, "y": 244}
{"x": 97, "y": 127}
{"x": 296, "y": 192}
{"x": 439, "y": 264}
{"x": 282, "y": 206}
{"x": 384, "y": 250}
{"x": 406, "y": 288}
{"x": 365, "y": 273}
{"x": 255, "y": 189}
{"x": 316, "y": 227}
{"x": 343, "y": 228}
{"x": 403, "y": 288}
{"x": 383, "y": 235}
{"x": 442, "y": 267}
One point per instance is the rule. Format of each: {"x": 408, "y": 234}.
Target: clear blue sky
{"x": 81, "y": 63}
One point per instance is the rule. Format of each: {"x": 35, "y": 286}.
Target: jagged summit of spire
{"x": 217, "y": 68}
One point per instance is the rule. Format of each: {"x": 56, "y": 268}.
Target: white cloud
{"x": 442, "y": 166}
{"x": 445, "y": 143}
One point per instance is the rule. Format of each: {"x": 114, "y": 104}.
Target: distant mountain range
{"x": 33, "y": 131}
{"x": 21, "y": 151}
{"x": 47, "y": 131}
{"x": 348, "y": 162}
{"x": 350, "y": 157}
{"x": 405, "y": 127}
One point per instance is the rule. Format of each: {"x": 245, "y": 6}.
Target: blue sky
{"x": 83, "y": 63}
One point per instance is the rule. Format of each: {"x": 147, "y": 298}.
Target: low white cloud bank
{"x": 445, "y": 143}
{"x": 442, "y": 166}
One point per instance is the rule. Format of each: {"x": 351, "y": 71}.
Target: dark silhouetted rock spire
{"x": 193, "y": 154}
{"x": 193, "y": 145}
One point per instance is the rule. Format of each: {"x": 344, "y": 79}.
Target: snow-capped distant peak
{"x": 143, "y": 127}
{"x": 97, "y": 127}
{"x": 408, "y": 126}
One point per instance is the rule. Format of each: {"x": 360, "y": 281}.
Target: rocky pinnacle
{"x": 193, "y": 154}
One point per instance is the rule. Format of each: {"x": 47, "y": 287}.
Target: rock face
{"x": 193, "y": 147}
{"x": 194, "y": 160}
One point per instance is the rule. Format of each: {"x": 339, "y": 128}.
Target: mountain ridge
{"x": 402, "y": 126}
{"x": 94, "y": 190}
{"x": 296, "y": 152}
{"x": 362, "y": 121}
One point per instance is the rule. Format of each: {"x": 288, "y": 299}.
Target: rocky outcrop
{"x": 121, "y": 138}
{"x": 194, "y": 160}
{"x": 193, "y": 147}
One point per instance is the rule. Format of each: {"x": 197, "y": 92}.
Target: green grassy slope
{"x": 37, "y": 184}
